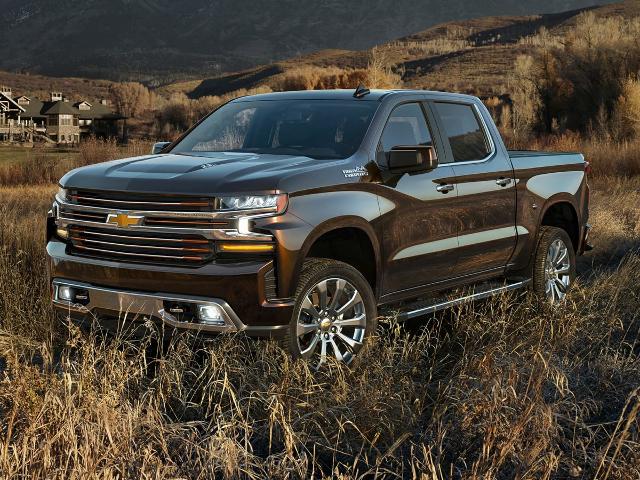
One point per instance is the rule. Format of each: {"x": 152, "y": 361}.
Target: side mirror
{"x": 414, "y": 158}
{"x": 158, "y": 147}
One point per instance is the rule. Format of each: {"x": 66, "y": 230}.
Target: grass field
{"x": 500, "y": 389}
{"x": 10, "y": 154}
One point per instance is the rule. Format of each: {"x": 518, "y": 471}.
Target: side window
{"x": 406, "y": 126}
{"x": 466, "y": 136}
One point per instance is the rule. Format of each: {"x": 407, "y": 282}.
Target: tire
{"x": 554, "y": 269}
{"x": 325, "y": 325}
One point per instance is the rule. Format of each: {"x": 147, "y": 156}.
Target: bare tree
{"x": 131, "y": 99}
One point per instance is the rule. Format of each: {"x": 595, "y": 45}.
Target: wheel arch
{"x": 561, "y": 211}
{"x": 344, "y": 229}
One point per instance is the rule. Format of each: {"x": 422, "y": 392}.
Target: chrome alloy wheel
{"x": 557, "y": 271}
{"x": 332, "y": 319}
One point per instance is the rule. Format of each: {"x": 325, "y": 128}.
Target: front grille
{"x": 141, "y": 247}
{"x": 141, "y": 201}
{"x": 196, "y": 222}
{"x": 83, "y": 216}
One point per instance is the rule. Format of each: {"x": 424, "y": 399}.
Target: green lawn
{"x": 16, "y": 154}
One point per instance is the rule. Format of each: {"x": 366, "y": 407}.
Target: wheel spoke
{"x": 557, "y": 292}
{"x": 348, "y": 340}
{"x": 323, "y": 352}
{"x": 312, "y": 346}
{"x": 308, "y": 307}
{"x": 357, "y": 321}
{"x": 562, "y": 288}
{"x": 305, "y": 328}
{"x": 550, "y": 291}
{"x": 336, "y": 350}
{"x": 340, "y": 284}
{"x": 353, "y": 301}
{"x": 322, "y": 294}
{"x": 563, "y": 254}
{"x": 563, "y": 270}
{"x": 551, "y": 255}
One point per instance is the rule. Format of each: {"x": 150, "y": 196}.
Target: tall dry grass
{"x": 606, "y": 157}
{"x": 501, "y": 389}
{"x": 42, "y": 167}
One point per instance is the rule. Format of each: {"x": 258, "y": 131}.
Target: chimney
{"x": 56, "y": 96}
{"x": 5, "y": 90}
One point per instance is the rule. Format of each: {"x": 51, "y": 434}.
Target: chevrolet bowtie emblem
{"x": 123, "y": 220}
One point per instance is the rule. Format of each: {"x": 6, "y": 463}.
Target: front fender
{"x": 313, "y": 214}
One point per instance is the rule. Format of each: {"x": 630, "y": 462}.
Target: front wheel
{"x": 334, "y": 313}
{"x": 555, "y": 265}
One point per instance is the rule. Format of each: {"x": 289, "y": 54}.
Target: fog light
{"x": 62, "y": 233}
{"x": 65, "y": 293}
{"x": 211, "y": 314}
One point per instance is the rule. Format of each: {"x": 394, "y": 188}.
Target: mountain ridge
{"x": 161, "y": 40}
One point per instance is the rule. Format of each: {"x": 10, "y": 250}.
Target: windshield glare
{"x": 320, "y": 129}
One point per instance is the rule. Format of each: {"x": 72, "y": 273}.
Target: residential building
{"x": 56, "y": 119}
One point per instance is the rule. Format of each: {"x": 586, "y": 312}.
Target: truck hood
{"x": 197, "y": 174}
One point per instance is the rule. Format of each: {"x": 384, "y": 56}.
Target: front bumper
{"x": 139, "y": 292}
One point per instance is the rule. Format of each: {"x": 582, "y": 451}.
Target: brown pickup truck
{"x": 299, "y": 215}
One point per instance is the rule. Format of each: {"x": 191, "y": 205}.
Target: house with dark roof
{"x": 10, "y": 115}
{"x": 62, "y": 122}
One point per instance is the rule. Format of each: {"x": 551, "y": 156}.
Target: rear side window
{"x": 462, "y": 127}
{"x": 406, "y": 127}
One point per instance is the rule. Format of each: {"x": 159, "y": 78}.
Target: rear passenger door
{"x": 418, "y": 225}
{"x": 486, "y": 189}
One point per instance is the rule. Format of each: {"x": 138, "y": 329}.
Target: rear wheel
{"x": 334, "y": 314}
{"x": 555, "y": 265}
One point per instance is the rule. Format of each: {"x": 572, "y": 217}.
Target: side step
{"x": 444, "y": 304}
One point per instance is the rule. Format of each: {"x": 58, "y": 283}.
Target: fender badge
{"x": 359, "y": 171}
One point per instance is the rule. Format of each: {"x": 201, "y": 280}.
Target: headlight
{"x": 62, "y": 194}
{"x": 275, "y": 203}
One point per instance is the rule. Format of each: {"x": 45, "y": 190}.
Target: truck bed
{"x": 529, "y": 158}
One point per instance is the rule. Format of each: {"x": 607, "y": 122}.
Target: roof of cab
{"x": 374, "y": 95}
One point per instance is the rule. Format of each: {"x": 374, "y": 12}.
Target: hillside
{"x": 470, "y": 56}
{"x": 39, "y": 86}
{"x": 156, "y": 40}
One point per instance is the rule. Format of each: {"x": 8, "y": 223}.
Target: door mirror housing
{"x": 158, "y": 147}
{"x": 412, "y": 158}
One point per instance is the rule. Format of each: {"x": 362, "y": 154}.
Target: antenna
{"x": 361, "y": 91}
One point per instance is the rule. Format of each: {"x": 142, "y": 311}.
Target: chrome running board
{"x": 442, "y": 305}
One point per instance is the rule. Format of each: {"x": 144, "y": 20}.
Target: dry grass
{"x": 39, "y": 166}
{"x": 606, "y": 157}
{"x": 501, "y": 389}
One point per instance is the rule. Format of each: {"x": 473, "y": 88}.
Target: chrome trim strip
{"x": 136, "y": 245}
{"x": 459, "y": 301}
{"x": 222, "y": 214}
{"x": 128, "y": 202}
{"x": 213, "y": 233}
{"x": 145, "y": 304}
{"x": 194, "y": 241}
{"x": 134, "y": 254}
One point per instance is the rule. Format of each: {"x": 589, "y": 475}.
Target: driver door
{"x": 419, "y": 226}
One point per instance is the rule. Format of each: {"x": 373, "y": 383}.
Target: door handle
{"x": 446, "y": 188}
{"x": 503, "y": 182}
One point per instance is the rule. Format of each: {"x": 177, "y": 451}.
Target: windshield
{"x": 320, "y": 129}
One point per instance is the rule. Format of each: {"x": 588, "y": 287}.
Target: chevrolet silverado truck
{"x": 301, "y": 215}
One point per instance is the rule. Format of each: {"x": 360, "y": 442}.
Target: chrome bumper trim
{"x": 129, "y": 304}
